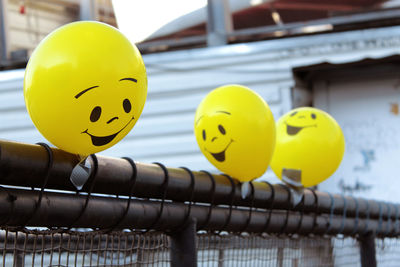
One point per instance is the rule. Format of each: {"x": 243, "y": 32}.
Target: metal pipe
{"x": 18, "y": 208}
{"x": 183, "y": 246}
{"x": 165, "y": 44}
{"x": 25, "y": 165}
{"x": 335, "y": 21}
{"x": 3, "y": 31}
{"x": 289, "y": 28}
{"x": 367, "y": 250}
{"x": 87, "y": 10}
{"x": 219, "y": 22}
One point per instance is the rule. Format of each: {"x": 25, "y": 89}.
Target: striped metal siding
{"x": 164, "y": 132}
{"x": 179, "y": 80}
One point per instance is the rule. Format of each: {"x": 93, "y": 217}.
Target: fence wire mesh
{"x": 91, "y": 248}
{"x": 35, "y": 247}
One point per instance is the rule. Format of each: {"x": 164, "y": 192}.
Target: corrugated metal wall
{"x": 179, "y": 80}
{"x": 164, "y": 132}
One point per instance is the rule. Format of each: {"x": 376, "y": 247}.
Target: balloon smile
{"x": 101, "y": 140}
{"x": 293, "y": 130}
{"x": 104, "y": 140}
{"x": 221, "y": 155}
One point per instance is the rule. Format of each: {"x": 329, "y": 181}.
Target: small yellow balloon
{"x": 235, "y": 130}
{"x": 85, "y": 87}
{"x": 309, "y": 141}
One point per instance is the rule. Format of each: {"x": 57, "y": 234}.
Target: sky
{"x": 138, "y": 19}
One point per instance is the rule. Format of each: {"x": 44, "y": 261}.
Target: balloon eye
{"x": 313, "y": 116}
{"x": 95, "y": 115}
{"x": 294, "y": 113}
{"x": 204, "y": 135}
{"x": 221, "y": 129}
{"x": 127, "y": 105}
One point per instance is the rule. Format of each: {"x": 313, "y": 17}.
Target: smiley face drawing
{"x": 310, "y": 142}
{"x": 235, "y": 130}
{"x": 218, "y": 132}
{"x": 85, "y": 87}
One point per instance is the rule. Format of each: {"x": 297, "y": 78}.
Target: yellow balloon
{"x": 85, "y": 87}
{"x": 308, "y": 140}
{"x": 235, "y": 130}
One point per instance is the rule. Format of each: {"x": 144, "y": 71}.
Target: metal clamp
{"x": 389, "y": 207}
{"x": 187, "y": 215}
{"x": 231, "y": 197}
{"x": 250, "y": 209}
{"x": 380, "y": 218}
{"x": 316, "y": 213}
{"x": 283, "y": 228}
{"x": 93, "y": 176}
{"x": 367, "y": 217}
{"x": 45, "y": 180}
{"x": 271, "y": 205}
{"x": 328, "y": 229}
{"x": 132, "y": 188}
{"x": 296, "y": 231}
{"x": 213, "y": 185}
{"x": 164, "y": 189}
{"x": 355, "y": 228}
{"x": 396, "y": 222}
{"x": 344, "y": 215}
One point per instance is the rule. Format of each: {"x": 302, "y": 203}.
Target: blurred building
{"x": 25, "y": 23}
{"x": 342, "y": 57}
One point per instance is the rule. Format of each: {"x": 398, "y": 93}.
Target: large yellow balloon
{"x": 310, "y": 141}
{"x": 235, "y": 130}
{"x": 85, "y": 87}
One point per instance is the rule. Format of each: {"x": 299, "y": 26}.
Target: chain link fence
{"x": 35, "y": 247}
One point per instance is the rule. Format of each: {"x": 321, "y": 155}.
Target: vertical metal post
{"x": 19, "y": 260}
{"x": 183, "y": 246}
{"x": 219, "y": 22}
{"x": 221, "y": 257}
{"x": 87, "y": 10}
{"x": 280, "y": 257}
{"x": 367, "y": 250}
{"x": 3, "y": 39}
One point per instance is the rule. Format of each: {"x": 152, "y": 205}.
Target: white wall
{"x": 367, "y": 109}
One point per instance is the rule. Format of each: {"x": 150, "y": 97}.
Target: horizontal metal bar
{"x": 3, "y": 35}
{"x": 288, "y": 27}
{"x": 123, "y": 239}
{"x": 335, "y": 21}
{"x": 25, "y": 165}
{"x": 17, "y": 208}
{"x": 165, "y": 44}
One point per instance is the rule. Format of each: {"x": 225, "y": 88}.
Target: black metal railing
{"x": 121, "y": 194}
